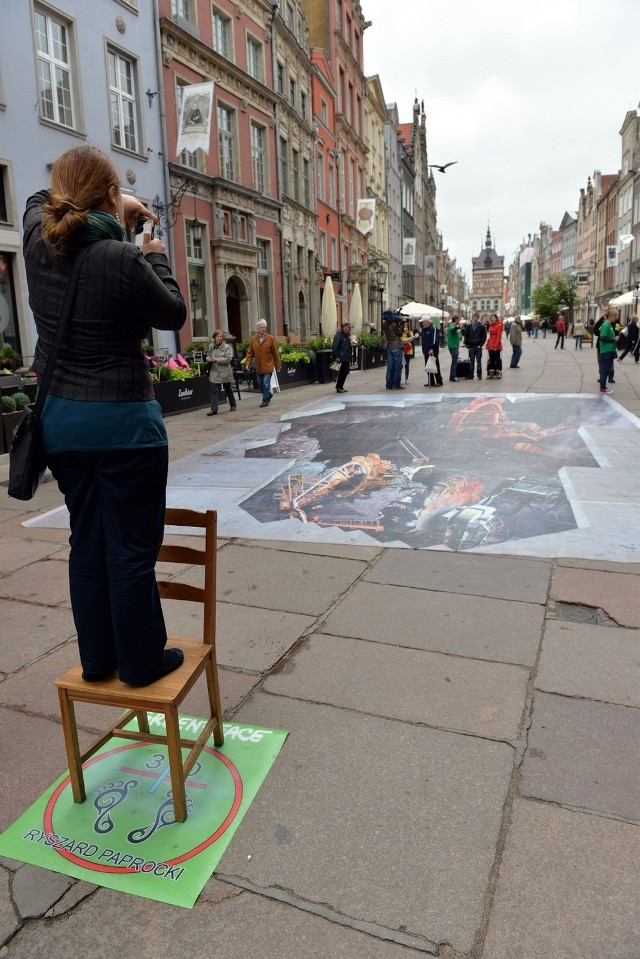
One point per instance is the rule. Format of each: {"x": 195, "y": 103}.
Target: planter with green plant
{"x": 371, "y": 350}
{"x": 296, "y": 364}
{"x": 322, "y": 348}
{"x": 12, "y": 413}
{"x": 9, "y": 359}
{"x": 180, "y": 390}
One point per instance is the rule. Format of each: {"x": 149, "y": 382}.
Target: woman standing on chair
{"x": 221, "y": 372}
{"x": 103, "y": 432}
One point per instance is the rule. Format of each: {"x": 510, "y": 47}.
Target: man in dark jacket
{"x": 475, "y": 336}
{"x": 341, "y": 348}
{"x": 430, "y": 347}
{"x": 393, "y": 325}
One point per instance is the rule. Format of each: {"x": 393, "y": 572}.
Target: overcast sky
{"x": 528, "y": 98}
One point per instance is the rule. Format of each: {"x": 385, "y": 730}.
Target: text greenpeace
{"x": 245, "y": 734}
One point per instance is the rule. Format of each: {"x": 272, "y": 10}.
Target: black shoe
{"x": 172, "y": 659}
{"x": 453, "y": 379}
{"x": 98, "y": 677}
{"x": 232, "y": 408}
{"x": 479, "y": 377}
{"x": 212, "y": 413}
{"x": 612, "y": 381}
{"x": 341, "y": 390}
{"x": 263, "y": 404}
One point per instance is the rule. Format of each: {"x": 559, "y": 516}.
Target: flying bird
{"x": 443, "y": 169}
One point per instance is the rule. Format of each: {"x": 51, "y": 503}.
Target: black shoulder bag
{"x": 27, "y": 458}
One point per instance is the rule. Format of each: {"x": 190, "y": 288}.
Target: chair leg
{"x": 143, "y": 720}
{"x": 215, "y": 705}
{"x": 70, "y": 729}
{"x": 175, "y": 764}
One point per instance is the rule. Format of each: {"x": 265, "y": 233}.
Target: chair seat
{"x": 164, "y": 691}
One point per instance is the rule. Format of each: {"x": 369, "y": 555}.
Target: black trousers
{"x": 116, "y": 502}
{"x": 215, "y": 395}
{"x": 343, "y": 373}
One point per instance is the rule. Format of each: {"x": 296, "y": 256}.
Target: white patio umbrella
{"x": 329, "y": 314}
{"x": 625, "y": 299}
{"x": 416, "y": 309}
{"x": 355, "y": 310}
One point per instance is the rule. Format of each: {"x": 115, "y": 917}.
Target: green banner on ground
{"x": 125, "y": 836}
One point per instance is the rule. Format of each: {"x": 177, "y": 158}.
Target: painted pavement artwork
{"x": 548, "y": 475}
{"x": 461, "y": 474}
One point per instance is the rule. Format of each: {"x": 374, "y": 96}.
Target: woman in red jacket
{"x": 494, "y": 348}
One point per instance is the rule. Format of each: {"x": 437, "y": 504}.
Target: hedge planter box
{"x": 294, "y": 374}
{"x": 180, "y": 396}
{"x": 370, "y": 359}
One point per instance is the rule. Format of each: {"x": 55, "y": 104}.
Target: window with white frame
{"x": 255, "y": 59}
{"x": 295, "y": 174}
{"x": 226, "y": 141}
{"x": 306, "y": 183}
{"x": 264, "y": 292}
{"x": 54, "y": 60}
{"x": 324, "y": 112}
{"x": 123, "y": 100}
{"x": 183, "y": 9}
{"x": 222, "y": 38}
{"x": 191, "y": 158}
{"x": 258, "y": 157}
{"x": 323, "y": 248}
{"x": 196, "y": 245}
{"x": 284, "y": 165}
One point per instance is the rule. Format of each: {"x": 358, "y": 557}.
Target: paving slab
{"x": 584, "y": 754}
{"x": 616, "y": 593}
{"x": 251, "y": 576}
{"x": 342, "y": 550}
{"x": 475, "y": 575}
{"x": 33, "y": 749}
{"x": 472, "y": 626}
{"x": 11, "y": 525}
{"x": 36, "y": 890}
{"x": 568, "y": 888}
{"x": 594, "y": 662}
{"x": 18, "y": 552}
{"x": 239, "y": 926}
{"x": 606, "y": 566}
{"x": 486, "y": 699}
{"x": 379, "y": 820}
{"x": 244, "y": 639}
{"x": 33, "y": 692}
{"x": 9, "y": 921}
{"x": 44, "y": 582}
{"x": 34, "y": 631}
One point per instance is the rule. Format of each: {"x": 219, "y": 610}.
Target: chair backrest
{"x": 196, "y": 555}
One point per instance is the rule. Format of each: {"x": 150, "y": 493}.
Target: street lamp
{"x": 194, "y": 289}
{"x": 378, "y": 281}
{"x": 443, "y": 300}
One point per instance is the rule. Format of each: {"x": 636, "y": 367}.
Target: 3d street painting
{"x": 525, "y": 474}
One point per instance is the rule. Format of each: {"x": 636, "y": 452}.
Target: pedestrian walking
{"x": 515, "y": 338}
{"x": 578, "y": 333}
{"x": 561, "y": 330}
{"x": 220, "y": 357}
{"x": 630, "y": 339}
{"x": 341, "y": 353}
{"x": 475, "y": 336}
{"x": 409, "y": 339}
{"x": 430, "y": 348}
{"x": 494, "y": 348}
{"x": 263, "y": 350}
{"x": 610, "y": 316}
{"x": 453, "y": 345}
{"x": 392, "y": 326}
{"x": 607, "y": 346}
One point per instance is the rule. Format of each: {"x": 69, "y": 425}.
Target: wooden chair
{"x": 167, "y": 693}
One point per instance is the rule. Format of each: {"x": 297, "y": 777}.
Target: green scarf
{"x": 99, "y": 226}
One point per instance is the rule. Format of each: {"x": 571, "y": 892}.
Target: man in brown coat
{"x": 263, "y": 349}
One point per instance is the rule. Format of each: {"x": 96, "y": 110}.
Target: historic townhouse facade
{"x": 296, "y": 163}
{"x": 337, "y": 27}
{"x": 628, "y": 169}
{"x": 227, "y": 236}
{"x": 71, "y": 73}
{"x": 607, "y": 215}
{"x": 393, "y": 179}
{"x": 375, "y": 117}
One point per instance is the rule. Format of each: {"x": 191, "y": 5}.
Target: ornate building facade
{"x": 487, "y": 280}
